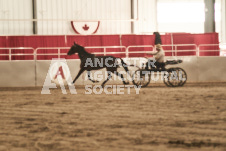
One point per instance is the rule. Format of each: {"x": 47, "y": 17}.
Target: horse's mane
{"x": 83, "y": 53}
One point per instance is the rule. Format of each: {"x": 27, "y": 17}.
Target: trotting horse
{"x": 89, "y": 62}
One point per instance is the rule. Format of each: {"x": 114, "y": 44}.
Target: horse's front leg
{"x": 89, "y": 76}
{"x": 79, "y": 73}
{"x": 121, "y": 76}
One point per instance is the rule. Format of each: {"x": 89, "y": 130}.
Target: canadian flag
{"x": 85, "y": 28}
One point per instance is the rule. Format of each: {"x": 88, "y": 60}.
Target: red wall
{"x": 108, "y": 40}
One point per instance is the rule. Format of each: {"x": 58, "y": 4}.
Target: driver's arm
{"x": 153, "y": 53}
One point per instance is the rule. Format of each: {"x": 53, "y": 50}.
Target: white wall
{"x": 222, "y": 26}
{"x": 181, "y": 16}
{"x": 166, "y": 16}
{"x": 84, "y": 10}
{"x": 64, "y": 11}
{"x": 15, "y": 10}
{"x": 146, "y": 15}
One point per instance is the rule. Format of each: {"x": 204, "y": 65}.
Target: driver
{"x": 159, "y": 55}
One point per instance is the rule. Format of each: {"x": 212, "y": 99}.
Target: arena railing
{"x": 59, "y": 52}
{"x": 173, "y": 49}
{"x": 202, "y": 48}
{"x": 123, "y": 50}
{"x": 11, "y": 53}
{"x": 181, "y": 48}
{"x": 108, "y": 47}
{"x": 147, "y": 47}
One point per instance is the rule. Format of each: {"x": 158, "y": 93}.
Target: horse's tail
{"x": 125, "y": 66}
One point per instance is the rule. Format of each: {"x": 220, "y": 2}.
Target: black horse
{"x": 91, "y": 62}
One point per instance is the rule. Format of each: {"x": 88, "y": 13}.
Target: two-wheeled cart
{"x": 172, "y": 77}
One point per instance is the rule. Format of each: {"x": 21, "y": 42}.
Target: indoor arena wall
{"x": 17, "y": 74}
{"x": 31, "y": 73}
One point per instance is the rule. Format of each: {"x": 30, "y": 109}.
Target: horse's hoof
{"x": 126, "y": 83}
{"x": 70, "y": 84}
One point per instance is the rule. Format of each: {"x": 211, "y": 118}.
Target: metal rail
{"x": 10, "y": 54}
{"x": 59, "y": 53}
{"x": 124, "y": 50}
{"x": 208, "y": 45}
{"x": 174, "y": 49}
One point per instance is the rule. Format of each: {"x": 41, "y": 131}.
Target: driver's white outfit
{"x": 158, "y": 55}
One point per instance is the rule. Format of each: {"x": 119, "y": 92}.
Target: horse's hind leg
{"x": 109, "y": 77}
{"x": 121, "y": 76}
{"x": 89, "y": 76}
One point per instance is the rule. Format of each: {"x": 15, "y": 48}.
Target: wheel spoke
{"x": 140, "y": 78}
{"x": 179, "y": 79}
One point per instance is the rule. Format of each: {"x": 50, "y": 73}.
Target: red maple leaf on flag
{"x": 85, "y": 27}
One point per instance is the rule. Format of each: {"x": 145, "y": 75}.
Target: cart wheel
{"x": 166, "y": 80}
{"x": 141, "y": 78}
{"x": 176, "y": 77}
{"x": 182, "y": 76}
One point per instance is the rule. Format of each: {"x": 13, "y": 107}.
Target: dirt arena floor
{"x": 192, "y": 117}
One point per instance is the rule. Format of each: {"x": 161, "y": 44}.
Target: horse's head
{"x": 75, "y": 49}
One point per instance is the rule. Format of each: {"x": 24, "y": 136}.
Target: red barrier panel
{"x": 198, "y": 39}
{"x": 35, "y": 41}
{"x": 113, "y": 40}
{"x": 94, "y": 40}
{"x": 134, "y": 40}
{"x": 3, "y": 41}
